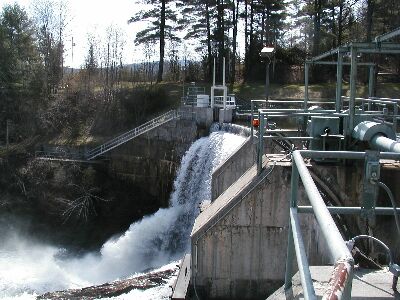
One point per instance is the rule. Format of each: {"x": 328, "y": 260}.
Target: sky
{"x": 94, "y": 16}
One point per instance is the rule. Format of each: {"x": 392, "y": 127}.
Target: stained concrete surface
{"x": 367, "y": 284}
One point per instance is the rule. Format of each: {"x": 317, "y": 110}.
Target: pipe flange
{"x": 364, "y": 131}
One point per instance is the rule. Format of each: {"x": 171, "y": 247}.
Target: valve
{"x": 256, "y": 123}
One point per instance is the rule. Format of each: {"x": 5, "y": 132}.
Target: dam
{"x": 302, "y": 206}
{"x": 306, "y": 208}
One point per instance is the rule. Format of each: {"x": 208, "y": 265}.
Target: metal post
{"x": 260, "y": 143}
{"x": 268, "y": 61}
{"x": 223, "y": 71}
{"x": 339, "y": 79}
{"x": 214, "y": 74}
{"x": 290, "y": 247}
{"x": 371, "y": 84}
{"x": 353, "y": 86}
{"x": 251, "y": 120}
{"x": 306, "y": 73}
{"x": 302, "y": 262}
{"x": 289, "y": 259}
{"x": 335, "y": 242}
{"x": 223, "y": 83}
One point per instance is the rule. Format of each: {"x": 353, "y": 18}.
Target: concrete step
{"x": 180, "y": 288}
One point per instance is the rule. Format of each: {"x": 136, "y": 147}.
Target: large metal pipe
{"x": 340, "y": 282}
{"x": 345, "y": 154}
{"x": 383, "y": 143}
{"x": 328, "y": 227}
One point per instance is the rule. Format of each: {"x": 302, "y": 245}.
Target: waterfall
{"x": 154, "y": 241}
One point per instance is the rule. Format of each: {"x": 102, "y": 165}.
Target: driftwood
{"x": 113, "y": 289}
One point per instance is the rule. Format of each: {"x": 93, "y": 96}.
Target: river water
{"x": 28, "y": 269}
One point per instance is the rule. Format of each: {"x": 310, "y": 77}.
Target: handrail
{"x": 339, "y": 286}
{"x": 340, "y": 282}
{"x": 127, "y": 136}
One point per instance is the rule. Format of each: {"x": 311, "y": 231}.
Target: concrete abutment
{"x": 239, "y": 241}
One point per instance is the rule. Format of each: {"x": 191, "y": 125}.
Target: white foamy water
{"x": 28, "y": 269}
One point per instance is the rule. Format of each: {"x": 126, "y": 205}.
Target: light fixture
{"x": 267, "y": 51}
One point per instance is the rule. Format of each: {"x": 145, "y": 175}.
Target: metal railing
{"x": 386, "y": 108}
{"x": 127, "y": 136}
{"x": 191, "y": 96}
{"x": 339, "y": 286}
{"x": 230, "y": 101}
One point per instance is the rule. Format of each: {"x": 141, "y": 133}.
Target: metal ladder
{"x": 131, "y": 134}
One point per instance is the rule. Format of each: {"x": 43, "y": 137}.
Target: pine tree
{"x": 161, "y": 19}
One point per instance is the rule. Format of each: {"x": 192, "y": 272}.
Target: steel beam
{"x": 349, "y": 210}
{"x": 371, "y": 84}
{"x": 330, "y": 52}
{"x": 294, "y": 138}
{"x": 294, "y": 184}
{"x": 306, "y": 74}
{"x": 383, "y": 143}
{"x": 379, "y": 51}
{"x": 339, "y": 79}
{"x": 373, "y": 45}
{"x": 353, "y": 86}
{"x": 335, "y": 63}
{"x": 334, "y": 239}
{"x": 345, "y": 154}
{"x": 387, "y": 36}
{"x": 302, "y": 262}
{"x": 260, "y": 142}
{"x": 341, "y": 279}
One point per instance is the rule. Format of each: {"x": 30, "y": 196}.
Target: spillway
{"x": 29, "y": 269}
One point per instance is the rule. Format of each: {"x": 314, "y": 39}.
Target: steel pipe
{"x": 383, "y": 143}
{"x": 335, "y": 242}
{"x": 345, "y": 154}
{"x": 339, "y": 286}
{"x": 302, "y": 262}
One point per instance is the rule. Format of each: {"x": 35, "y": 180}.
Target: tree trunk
{"x": 333, "y": 25}
{"x": 263, "y": 30}
{"x": 246, "y": 32}
{"x": 340, "y": 23}
{"x": 317, "y": 26}
{"x": 162, "y": 42}
{"x": 235, "y": 12}
{"x": 220, "y": 34}
{"x": 250, "y": 50}
{"x": 370, "y": 11}
{"x": 209, "y": 50}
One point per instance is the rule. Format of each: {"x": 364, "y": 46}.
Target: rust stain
{"x": 337, "y": 282}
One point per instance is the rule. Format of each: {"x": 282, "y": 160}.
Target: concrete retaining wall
{"x": 239, "y": 241}
{"x": 152, "y": 159}
{"x": 233, "y": 168}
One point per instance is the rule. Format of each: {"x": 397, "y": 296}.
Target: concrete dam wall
{"x": 239, "y": 241}
{"x": 152, "y": 159}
